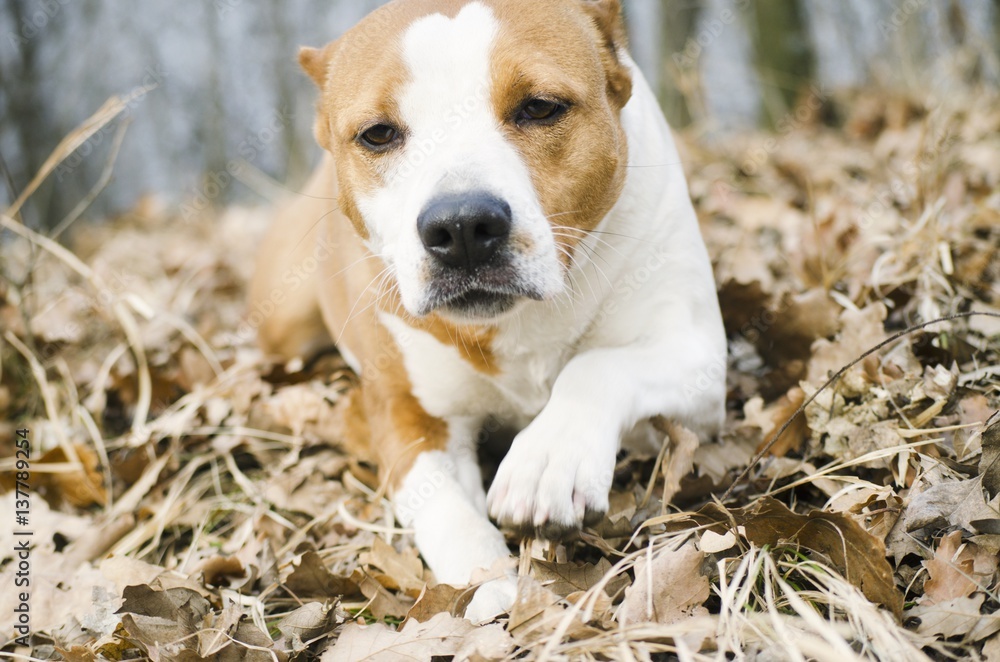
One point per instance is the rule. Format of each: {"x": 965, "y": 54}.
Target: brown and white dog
{"x": 505, "y": 234}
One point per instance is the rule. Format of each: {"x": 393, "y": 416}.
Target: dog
{"x": 500, "y": 231}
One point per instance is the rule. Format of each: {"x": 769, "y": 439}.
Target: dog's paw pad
{"x": 593, "y": 517}
{"x": 556, "y": 531}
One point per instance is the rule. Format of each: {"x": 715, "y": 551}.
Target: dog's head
{"x": 477, "y": 142}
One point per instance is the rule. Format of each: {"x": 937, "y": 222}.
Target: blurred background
{"x": 222, "y": 87}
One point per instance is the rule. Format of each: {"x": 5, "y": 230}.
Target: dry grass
{"x": 190, "y": 502}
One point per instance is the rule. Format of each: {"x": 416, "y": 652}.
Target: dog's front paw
{"x": 492, "y": 599}
{"x": 550, "y": 484}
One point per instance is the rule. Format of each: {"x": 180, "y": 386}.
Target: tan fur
{"x": 578, "y": 171}
{"x": 384, "y": 408}
{"x": 292, "y": 325}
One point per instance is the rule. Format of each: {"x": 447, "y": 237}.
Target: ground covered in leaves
{"x": 189, "y": 502}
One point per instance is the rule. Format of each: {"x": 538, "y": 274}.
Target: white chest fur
{"x": 643, "y": 273}
{"x": 448, "y": 386}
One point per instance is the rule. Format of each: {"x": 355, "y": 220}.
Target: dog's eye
{"x": 540, "y": 110}
{"x": 379, "y": 136}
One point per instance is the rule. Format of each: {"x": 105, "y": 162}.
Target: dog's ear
{"x": 610, "y": 24}
{"x": 316, "y": 63}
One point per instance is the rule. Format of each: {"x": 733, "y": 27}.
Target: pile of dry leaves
{"x": 189, "y": 502}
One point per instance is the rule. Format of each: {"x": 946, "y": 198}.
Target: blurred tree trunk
{"x": 228, "y": 89}
{"x": 22, "y": 105}
{"x": 679, "y": 24}
{"x": 996, "y": 28}
{"x": 785, "y": 61}
{"x": 227, "y": 109}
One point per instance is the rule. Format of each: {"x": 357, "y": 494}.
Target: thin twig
{"x": 111, "y": 109}
{"x": 8, "y": 179}
{"x": 98, "y": 188}
{"x": 48, "y": 397}
{"x": 830, "y": 382}
{"x": 122, "y": 313}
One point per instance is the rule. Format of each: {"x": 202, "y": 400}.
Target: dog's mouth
{"x": 481, "y": 304}
{"x": 477, "y": 299}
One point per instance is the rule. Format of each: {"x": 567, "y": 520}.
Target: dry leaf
{"x": 162, "y": 638}
{"x": 566, "y": 578}
{"x": 442, "y": 636}
{"x": 954, "y": 503}
{"x": 974, "y": 411}
{"x": 680, "y": 461}
{"x": 537, "y": 611}
{"x": 163, "y": 622}
{"x": 175, "y": 604}
{"x": 861, "y": 330}
{"x": 489, "y": 643}
{"x": 219, "y": 569}
{"x": 381, "y": 602}
{"x": 989, "y": 463}
{"x": 718, "y": 459}
{"x": 440, "y": 599}
{"x": 306, "y": 623}
{"x": 960, "y": 617}
{"x": 258, "y": 648}
{"x": 991, "y": 649}
{"x": 783, "y": 331}
{"x": 770, "y": 419}
{"x": 312, "y": 579}
{"x": 219, "y": 629}
{"x": 713, "y": 543}
{"x": 401, "y": 571}
{"x": 849, "y": 439}
{"x": 81, "y": 489}
{"x": 854, "y": 552}
{"x": 667, "y": 589}
{"x": 77, "y": 654}
{"x": 532, "y": 601}
{"x": 949, "y": 575}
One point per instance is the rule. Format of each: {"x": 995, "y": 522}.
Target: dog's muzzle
{"x": 468, "y": 239}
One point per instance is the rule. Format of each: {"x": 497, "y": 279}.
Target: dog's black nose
{"x": 465, "y": 230}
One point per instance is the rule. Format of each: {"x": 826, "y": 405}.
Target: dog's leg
{"x": 437, "y": 491}
{"x": 453, "y": 534}
{"x": 558, "y": 472}
{"x": 463, "y": 432}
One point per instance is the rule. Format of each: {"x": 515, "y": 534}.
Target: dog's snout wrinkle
{"x": 465, "y": 231}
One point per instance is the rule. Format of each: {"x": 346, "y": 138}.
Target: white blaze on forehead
{"x": 454, "y": 144}
{"x": 449, "y": 66}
